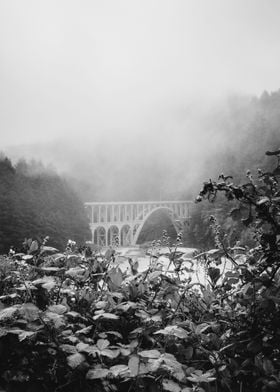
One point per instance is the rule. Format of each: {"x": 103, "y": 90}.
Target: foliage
{"x": 71, "y": 322}
{"x": 250, "y": 295}
{"x": 76, "y": 322}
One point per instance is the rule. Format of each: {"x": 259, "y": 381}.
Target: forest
{"x": 36, "y": 203}
{"x": 253, "y": 128}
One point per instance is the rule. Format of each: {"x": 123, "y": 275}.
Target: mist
{"x": 133, "y": 99}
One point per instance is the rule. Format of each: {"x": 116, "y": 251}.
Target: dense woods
{"x": 253, "y": 127}
{"x": 35, "y": 203}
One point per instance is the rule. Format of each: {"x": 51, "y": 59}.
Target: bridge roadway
{"x": 125, "y": 220}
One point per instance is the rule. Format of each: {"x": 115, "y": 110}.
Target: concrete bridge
{"x": 125, "y": 220}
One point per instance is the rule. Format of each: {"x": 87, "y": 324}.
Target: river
{"x": 194, "y": 269}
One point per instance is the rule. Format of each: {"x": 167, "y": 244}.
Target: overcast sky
{"x": 79, "y": 67}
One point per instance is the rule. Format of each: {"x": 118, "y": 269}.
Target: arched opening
{"x": 159, "y": 219}
{"x": 100, "y": 236}
{"x": 125, "y": 236}
{"x": 113, "y": 235}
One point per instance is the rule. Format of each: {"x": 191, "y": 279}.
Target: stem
{"x": 27, "y": 289}
{"x": 59, "y": 290}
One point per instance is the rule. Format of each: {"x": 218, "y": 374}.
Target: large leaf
{"x": 153, "y": 364}
{"x": 102, "y": 344}
{"x": 125, "y": 306}
{"x": 154, "y": 275}
{"x": 263, "y": 200}
{"x": 214, "y": 274}
{"x": 27, "y": 257}
{"x": 94, "y": 374}
{"x": 116, "y": 278}
{"x": 75, "y": 360}
{"x": 198, "y": 377}
{"x": 171, "y": 361}
{"x": 133, "y": 365}
{"x": 118, "y": 370}
{"x": 58, "y": 309}
{"x": 268, "y": 366}
{"x": 26, "y": 286}
{"x": 110, "y": 316}
{"x": 201, "y": 328}
{"x": 33, "y": 247}
{"x": 48, "y": 250}
{"x": 55, "y": 318}
{"x": 173, "y": 330}
{"x": 171, "y": 386}
{"x": 84, "y": 331}
{"x": 47, "y": 282}
{"x": 101, "y": 304}
{"x": 22, "y": 334}
{"x": 75, "y": 315}
{"x": 10, "y": 296}
{"x": 68, "y": 348}
{"x": 82, "y": 347}
{"x": 29, "y": 311}
{"x": 51, "y": 270}
{"x": 106, "y": 352}
{"x": 215, "y": 252}
{"x": 150, "y": 354}
{"x": 115, "y": 333}
{"x": 109, "y": 253}
{"x": 77, "y": 273}
{"x": 9, "y": 313}
{"x": 3, "y": 332}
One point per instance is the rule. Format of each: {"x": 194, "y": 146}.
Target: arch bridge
{"x": 125, "y": 220}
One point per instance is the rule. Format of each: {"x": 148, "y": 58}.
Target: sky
{"x": 82, "y": 69}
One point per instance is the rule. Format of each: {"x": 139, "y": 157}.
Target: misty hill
{"x": 35, "y": 203}
{"x": 254, "y": 129}
{"x": 228, "y": 137}
{"x": 165, "y": 162}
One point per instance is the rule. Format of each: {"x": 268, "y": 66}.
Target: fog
{"x": 117, "y": 83}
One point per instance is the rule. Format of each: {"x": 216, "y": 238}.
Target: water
{"x": 196, "y": 271}
{"x": 144, "y": 258}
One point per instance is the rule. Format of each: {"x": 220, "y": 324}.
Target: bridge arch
{"x": 168, "y": 212}
{"x": 100, "y": 236}
{"x": 112, "y": 235}
{"x": 125, "y": 235}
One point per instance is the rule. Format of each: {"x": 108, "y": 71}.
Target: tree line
{"x": 36, "y": 202}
